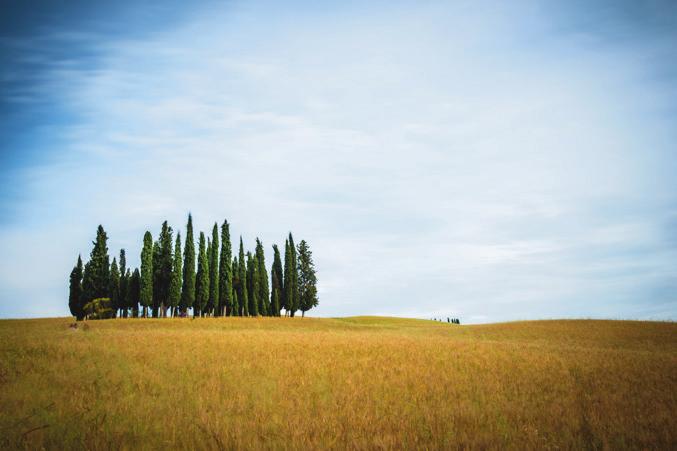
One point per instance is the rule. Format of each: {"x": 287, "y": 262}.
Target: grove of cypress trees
{"x": 146, "y": 290}
{"x": 243, "y": 299}
{"x": 75, "y": 297}
{"x": 307, "y": 279}
{"x": 223, "y": 285}
{"x": 202, "y": 283}
{"x": 262, "y": 273}
{"x": 225, "y": 272}
{"x": 188, "y": 287}
{"x": 124, "y": 285}
{"x": 114, "y": 286}
{"x": 177, "y": 273}
{"x": 214, "y": 271}
{"x": 276, "y": 276}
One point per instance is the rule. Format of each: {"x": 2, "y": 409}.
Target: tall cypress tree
{"x": 294, "y": 299}
{"x": 114, "y": 289}
{"x": 96, "y": 278}
{"x": 135, "y": 292}
{"x": 276, "y": 278}
{"x": 235, "y": 311}
{"x": 75, "y": 298}
{"x": 214, "y": 271}
{"x": 188, "y": 287}
{"x": 307, "y": 279}
{"x": 207, "y": 309}
{"x": 202, "y": 284}
{"x": 146, "y": 290}
{"x": 243, "y": 299}
{"x": 177, "y": 273}
{"x": 162, "y": 268}
{"x": 263, "y": 290}
{"x": 225, "y": 272}
{"x": 124, "y": 285}
{"x": 288, "y": 293}
{"x": 253, "y": 284}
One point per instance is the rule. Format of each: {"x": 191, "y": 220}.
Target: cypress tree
{"x": 177, "y": 272}
{"x": 135, "y": 292}
{"x": 225, "y": 272}
{"x": 207, "y": 310}
{"x": 128, "y": 281}
{"x": 294, "y": 290}
{"x": 96, "y": 278}
{"x": 307, "y": 279}
{"x": 188, "y": 287}
{"x": 124, "y": 285}
{"x": 288, "y": 293}
{"x": 262, "y": 273}
{"x": 214, "y": 271}
{"x": 276, "y": 278}
{"x": 242, "y": 294}
{"x": 114, "y": 287}
{"x": 146, "y": 285}
{"x": 75, "y": 297}
{"x": 235, "y": 310}
{"x": 202, "y": 283}
{"x": 253, "y": 285}
{"x": 162, "y": 268}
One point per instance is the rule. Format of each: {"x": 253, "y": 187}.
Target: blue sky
{"x": 484, "y": 160}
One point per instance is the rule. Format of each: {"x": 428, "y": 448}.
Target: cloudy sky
{"x": 490, "y": 161}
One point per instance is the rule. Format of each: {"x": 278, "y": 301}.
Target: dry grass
{"x": 337, "y": 383}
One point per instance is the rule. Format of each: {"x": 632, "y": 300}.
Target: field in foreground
{"x": 334, "y": 383}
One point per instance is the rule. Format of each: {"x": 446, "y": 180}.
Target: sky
{"x": 485, "y": 160}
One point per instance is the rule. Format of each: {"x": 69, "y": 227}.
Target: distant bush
{"x": 99, "y": 308}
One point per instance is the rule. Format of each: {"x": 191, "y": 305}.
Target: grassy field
{"x": 362, "y": 382}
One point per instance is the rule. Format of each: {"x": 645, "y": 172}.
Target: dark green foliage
{"x": 123, "y": 301}
{"x": 243, "y": 299}
{"x": 96, "y": 277}
{"x": 307, "y": 279}
{"x": 236, "y": 309}
{"x": 99, "y": 308}
{"x": 135, "y": 292}
{"x": 225, "y": 272}
{"x": 75, "y": 298}
{"x": 146, "y": 290}
{"x": 202, "y": 284}
{"x": 276, "y": 278}
{"x": 262, "y": 275}
{"x": 286, "y": 278}
{"x": 188, "y": 287}
{"x": 291, "y": 298}
{"x": 214, "y": 272}
{"x": 114, "y": 286}
{"x": 177, "y": 273}
{"x": 162, "y": 270}
{"x": 207, "y": 309}
{"x": 294, "y": 306}
{"x": 252, "y": 285}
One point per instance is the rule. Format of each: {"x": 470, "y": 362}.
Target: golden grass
{"x": 363, "y": 383}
